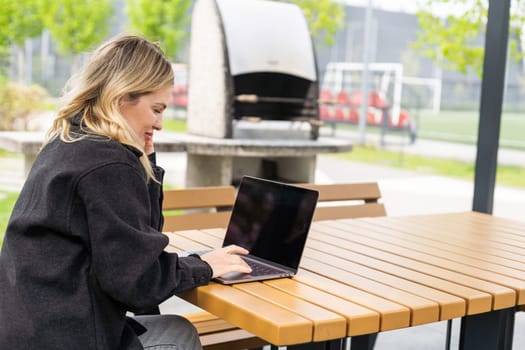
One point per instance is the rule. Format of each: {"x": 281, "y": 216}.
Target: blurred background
{"x": 419, "y": 62}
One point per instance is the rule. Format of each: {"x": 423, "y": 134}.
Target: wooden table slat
{"x": 204, "y": 237}
{"x": 465, "y": 298}
{"x": 434, "y": 257}
{"x": 270, "y": 322}
{"x": 183, "y": 243}
{"x": 503, "y": 226}
{"x": 474, "y": 249}
{"x": 469, "y": 236}
{"x": 327, "y": 324}
{"x": 478, "y": 292}
{"x": 450, "y": 306}
{"x": 393, "y": 315}
{"x": 423, "y": 309}
{"x": 360, "y": 320}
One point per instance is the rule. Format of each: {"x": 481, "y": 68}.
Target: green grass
{"x": 447, "y": 126}
{"x": 7, "y": 201}
{"x": 174, "y": 124}
{"x": 4, "y": 153}
{"x": 506, "y": 175}
{"x": 462, "y": 126}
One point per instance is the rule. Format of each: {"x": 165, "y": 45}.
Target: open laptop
{"x": 271, "y": 220}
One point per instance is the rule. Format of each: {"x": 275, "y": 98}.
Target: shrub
{"x": 18, "y": 103}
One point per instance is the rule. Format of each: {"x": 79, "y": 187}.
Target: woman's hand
{"x": 148, "y": 145}
{"x": 226, "y": 259}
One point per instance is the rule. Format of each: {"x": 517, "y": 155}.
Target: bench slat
{"x": 348, "y": 211}
{"x": 199, "y": 197}
{"x": 196, "y": 221}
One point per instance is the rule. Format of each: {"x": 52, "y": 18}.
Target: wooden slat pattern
{"x": 490, "y": 294}
{"x": 326, "y": 324}
{"x": 468, "y": 249}
{"x": 368, "y": 191}
{"x": 348, "y": 211}
{"x": 215, "y": 203}
{"x": 392, "y": 315}
{"x": 370, "y": 235}
{"x": 451, "y": 297}
{"x": 347, "y": 200}
{"x": 190, "y": 221}
{"x": 269, "y": 321}
{"x": 423, "y": 309}
{"x": 363, "y": 275}
{"x": 199, "y": 197}
{"x": 474, "y": 236}
{"x": 359, "y": 320}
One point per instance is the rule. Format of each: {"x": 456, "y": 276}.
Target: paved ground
{"x": 404, "y": 193}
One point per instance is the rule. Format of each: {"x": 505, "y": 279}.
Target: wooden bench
{"x": 347, "y": 200}
{"x": 201, "y": 207}
{"x": 343, "y": 200}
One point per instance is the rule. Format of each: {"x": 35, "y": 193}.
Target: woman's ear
{"x": 123, "y": 98}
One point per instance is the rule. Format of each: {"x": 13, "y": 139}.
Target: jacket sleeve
{"x": 128, "y": 257}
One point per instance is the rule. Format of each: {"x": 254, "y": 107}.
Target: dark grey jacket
{"x": 83, "y": 247}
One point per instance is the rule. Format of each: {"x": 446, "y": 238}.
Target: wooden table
{"x": 359, "y": 277}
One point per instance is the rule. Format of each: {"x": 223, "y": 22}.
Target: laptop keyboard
{"x": 259, "y": 269}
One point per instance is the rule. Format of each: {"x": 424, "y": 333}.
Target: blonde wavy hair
{"x": 125, "y": 65}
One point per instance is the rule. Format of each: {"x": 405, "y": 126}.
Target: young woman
{"x": 83, "y": 245}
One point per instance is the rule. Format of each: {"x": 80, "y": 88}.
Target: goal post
{"x": 388, "y": 80}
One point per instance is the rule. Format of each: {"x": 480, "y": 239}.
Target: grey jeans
{"x": 168, "y": 332}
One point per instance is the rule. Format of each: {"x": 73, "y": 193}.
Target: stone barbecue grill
{"x": 253, "y": 84}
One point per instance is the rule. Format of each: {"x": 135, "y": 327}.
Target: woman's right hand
{"x": 226, "y": 259}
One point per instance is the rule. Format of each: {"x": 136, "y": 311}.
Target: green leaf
{"x": 455, "y": 42}
{"x": 163, "y": 21}
{"x": 77, "y": 25}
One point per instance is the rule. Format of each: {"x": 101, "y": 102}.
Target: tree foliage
{"x": 163, "y": 21}
{"x": 19, "y": 20}
{"x": 77, "y": 25}
{"x": 324, "y": 17}
{"x": 24, "y": 20}
{"x": 455, "y": 41}
{"x": 5, "y": 15}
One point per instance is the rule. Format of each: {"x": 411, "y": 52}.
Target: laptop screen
{"x": 271, "y": 220}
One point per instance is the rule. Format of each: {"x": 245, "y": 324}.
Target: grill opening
{"x": 274, "y": 96}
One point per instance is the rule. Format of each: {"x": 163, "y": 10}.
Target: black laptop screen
{"x": 271, "y": 220}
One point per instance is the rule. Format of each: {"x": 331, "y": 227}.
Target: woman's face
{"x": 144, "y": 114}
